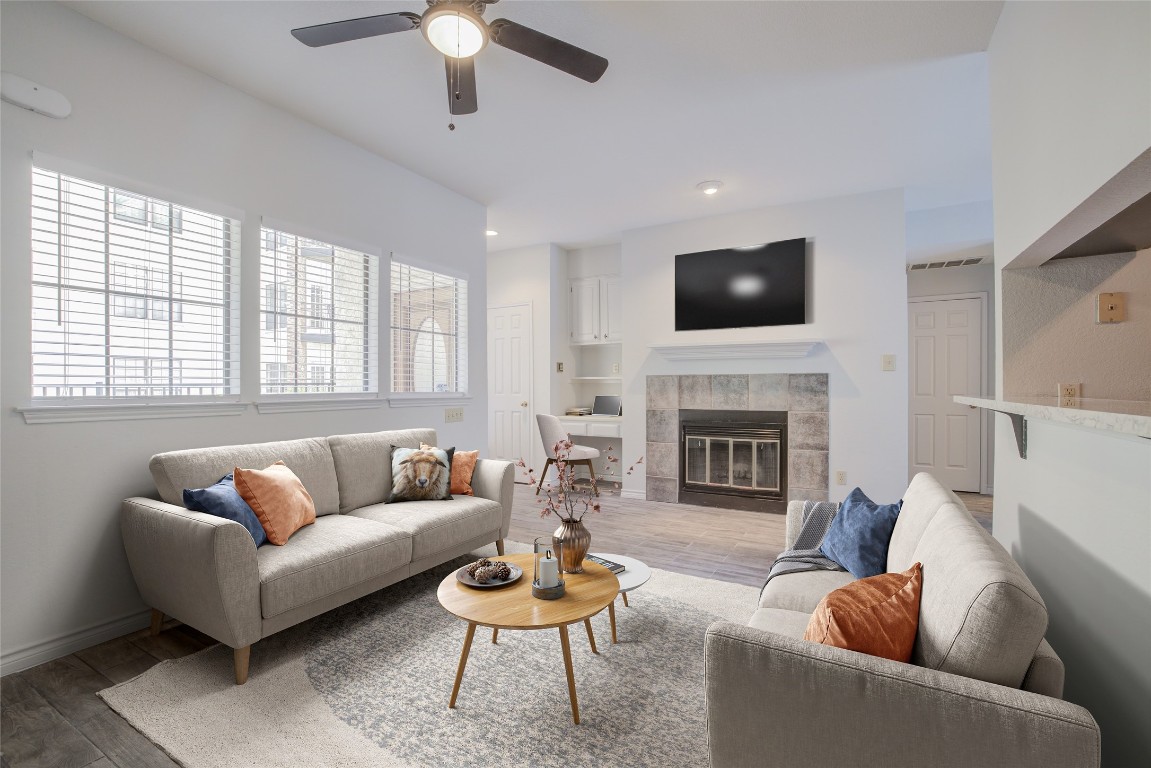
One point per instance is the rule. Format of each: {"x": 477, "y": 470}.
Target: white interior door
{"x": 946, "y": 360}
{"x": 510, "y": 384}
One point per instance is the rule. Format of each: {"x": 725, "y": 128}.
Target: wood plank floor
{"x": 50, "y": 715}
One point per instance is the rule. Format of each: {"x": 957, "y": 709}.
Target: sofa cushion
{"x": 421, "y": 474}
{"x": 309, "y": 459}
{"x": 924, "y": 496}
{"x": 859, "y": 534}
{"x": 878, "y": 615}
{"x": 463, "y": 467}
{"x": 802, "y": 591}
{"x": 781, "y": 622}
{"x": 363, "y": 463}
{"x": 436, "y": 526}
{"x": 979, "y": 616}
{"x": 335, "y": 553}
{"x": 278, "y": 498}
{"x": 223, "y": 500}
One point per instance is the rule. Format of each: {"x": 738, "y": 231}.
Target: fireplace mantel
{"x": 745, "y": 350}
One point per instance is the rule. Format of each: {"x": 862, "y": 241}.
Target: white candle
{"x": 549, "y": 571}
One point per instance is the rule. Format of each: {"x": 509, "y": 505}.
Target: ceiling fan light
{"x": 454, "y": 31}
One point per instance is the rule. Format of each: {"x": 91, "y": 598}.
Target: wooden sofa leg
{"x": 240, "y": 658}
{"x": 499, "y": 546}
{"x": 157, "y": 622}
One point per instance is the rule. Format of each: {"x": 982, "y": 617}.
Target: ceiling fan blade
{"x": 356, "y": 29}
{"x": 548, "y": 50}
{"x": 461, "y": 85}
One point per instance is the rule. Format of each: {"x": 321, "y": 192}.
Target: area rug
{"x": 368, "y": 685}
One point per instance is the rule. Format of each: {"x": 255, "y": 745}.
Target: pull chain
{"x": 456, "y": 82}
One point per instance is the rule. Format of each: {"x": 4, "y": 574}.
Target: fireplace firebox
{"x": 734, "y": 459}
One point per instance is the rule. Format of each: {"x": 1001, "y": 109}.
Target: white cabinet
{"x": 595, "y": 310}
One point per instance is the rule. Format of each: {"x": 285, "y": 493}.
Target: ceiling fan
{"x": 456, "y": 29}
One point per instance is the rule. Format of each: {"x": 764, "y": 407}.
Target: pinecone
{"x": 481, "y": 563}
{"x": 486, "y": 574}
{"x": 503, "y": 572}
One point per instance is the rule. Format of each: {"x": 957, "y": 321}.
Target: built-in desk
{"x": 593, "y": 426}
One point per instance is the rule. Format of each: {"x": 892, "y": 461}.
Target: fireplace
{"x": 733, "y": 459}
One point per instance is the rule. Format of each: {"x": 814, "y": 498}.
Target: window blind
{"x": 429, "y": 331}
{"x": 318, "y": 317}
{"x": 132, "y": 296}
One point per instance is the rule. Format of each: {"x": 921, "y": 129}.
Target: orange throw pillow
{"x": 278, "y": 498}
{"x": 878, "y": 615}
{"x": 463, "y": 467}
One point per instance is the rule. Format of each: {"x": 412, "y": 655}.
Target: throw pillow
{"x": 421, "y": 475}
{"x": 463, "y": 467}
{"x": 860, "y": 534}
{"x": 877, "y": 615}
{"x": 222, "y": 500}
{"x": 278, "y": 498}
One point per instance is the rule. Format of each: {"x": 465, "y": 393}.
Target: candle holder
{"x": 547, "y": 583}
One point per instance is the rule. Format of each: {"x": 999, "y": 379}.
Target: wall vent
{"x": 942, "y": 264}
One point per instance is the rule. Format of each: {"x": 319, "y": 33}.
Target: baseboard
{"x": 628, "y": 493}
{"x": 46, "y": 650}
{"x": 988, "y": 490}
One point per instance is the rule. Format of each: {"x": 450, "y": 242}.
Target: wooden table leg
{"x": 495, "y": 633}
{"x": 464, "y": 660}
{"x": 624, "y": 599}
{"x": 571, "y": 675}
{"x": 590, "y": 636}
{"x": 611, "y": 615}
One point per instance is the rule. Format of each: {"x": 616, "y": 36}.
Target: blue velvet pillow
{"x": 860, "y": 534}
{"x": 223, "y": 500}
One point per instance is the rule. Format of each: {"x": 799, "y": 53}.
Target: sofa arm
{"x": 775, "y": 700}
{"x": 198, "y": 568}
{"x": 793, "y": 523}
{"x": 494, "y": 479}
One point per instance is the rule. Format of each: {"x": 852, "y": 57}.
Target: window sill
{"x": 303, "y": 405}
{"x": 60, "y": 414}
{"x": 417, "y": 399}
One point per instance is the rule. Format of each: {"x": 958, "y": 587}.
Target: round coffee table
{"x": 635, "y": 575}
{"x": 513, "y": 607}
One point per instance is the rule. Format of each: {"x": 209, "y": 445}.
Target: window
{"x": 132, "y": 297}
{"x": 429, "y": 331}
{"x": 319, "y": 317}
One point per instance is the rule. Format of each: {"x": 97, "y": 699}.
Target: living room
{"x": 1064, "y": 120}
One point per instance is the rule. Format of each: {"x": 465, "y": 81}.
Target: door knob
{"x": 524, "y": 404}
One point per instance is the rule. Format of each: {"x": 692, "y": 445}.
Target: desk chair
{"x": 552, "y": 432}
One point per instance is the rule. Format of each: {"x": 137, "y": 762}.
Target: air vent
{"x": 943, "y": 264}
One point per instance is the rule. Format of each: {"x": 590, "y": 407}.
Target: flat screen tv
{"x": 742, "y": 287}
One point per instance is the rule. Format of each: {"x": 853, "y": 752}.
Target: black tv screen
{"x": 742, "y": 287}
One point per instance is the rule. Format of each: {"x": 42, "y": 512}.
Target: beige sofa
{"x": 207, "y": 572}
{"x": 983, "y": 689}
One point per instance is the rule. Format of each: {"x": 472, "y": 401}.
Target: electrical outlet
{"x": 840, "y": 477}
{"x": 559, "y": 367}
{"x": 452, "y": 415}
{"x": 615, "y": 367}
{"x": 887, "y": 362}
{"x": 1069, "y": 395}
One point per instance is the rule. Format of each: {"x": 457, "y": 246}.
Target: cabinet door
{"x": 574, "y": 427}
{"x": 603, "y": 430}
{"x": 611, "y": 307}
{"x": 585, "y": 311}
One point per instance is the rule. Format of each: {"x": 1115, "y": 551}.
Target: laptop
{"x": 607, "y": 405}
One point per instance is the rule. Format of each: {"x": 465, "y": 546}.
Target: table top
{"x": 513, "y": 607}
{"x": 635, "y": 573}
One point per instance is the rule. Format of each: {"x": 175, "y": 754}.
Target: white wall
{"x": 857, "y": 305}
{"x": 951, "y": 232}
{"x": 143, "y": 116}
{"x": 1071, "y": 106}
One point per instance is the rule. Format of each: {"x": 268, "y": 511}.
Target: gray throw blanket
{"x": 805, "y": 555}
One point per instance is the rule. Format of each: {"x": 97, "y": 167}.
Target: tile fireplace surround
{"x": 802, "y": 395}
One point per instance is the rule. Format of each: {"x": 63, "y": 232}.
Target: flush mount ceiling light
{"x": 454, "y": 30}
{"x": 709, "y": 187}
{"x": 490, "y": 232}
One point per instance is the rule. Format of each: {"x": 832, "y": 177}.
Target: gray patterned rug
{"x": 368, "y": 684}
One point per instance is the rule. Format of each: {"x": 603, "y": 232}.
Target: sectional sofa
{"x": 983, "y": 688}
{"x": 207, "y": 572}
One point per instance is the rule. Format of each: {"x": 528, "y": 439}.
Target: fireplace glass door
{"x": 741, "y": 463}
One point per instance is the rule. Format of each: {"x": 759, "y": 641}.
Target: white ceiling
{"x": 783, "y": 101}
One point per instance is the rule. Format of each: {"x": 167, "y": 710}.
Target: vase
{"x": 576, "y": 539}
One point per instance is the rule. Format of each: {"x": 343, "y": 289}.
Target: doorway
{"x": 510, "y": 422}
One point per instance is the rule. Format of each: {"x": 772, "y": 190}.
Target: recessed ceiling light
{"x": 490, "y": 232}
{"x": 709, "y": 187}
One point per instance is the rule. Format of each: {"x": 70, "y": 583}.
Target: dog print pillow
{"x": 421, "y": 474}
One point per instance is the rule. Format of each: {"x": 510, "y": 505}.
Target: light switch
{"x": 1110, "y": 308}
{"x": 887, "y": 362}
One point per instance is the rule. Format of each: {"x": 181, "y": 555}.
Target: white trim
{"x": 312, "y": 233}
{"x": 305, "y": 403}
{"x": 419, "y": 399}
{"x": 49, "y": 162}
{"x": 736, "y": 351}
{"x": 60, "y": 414}
{"x": 30, "y": 655}
{"x": 627, "y": 493}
